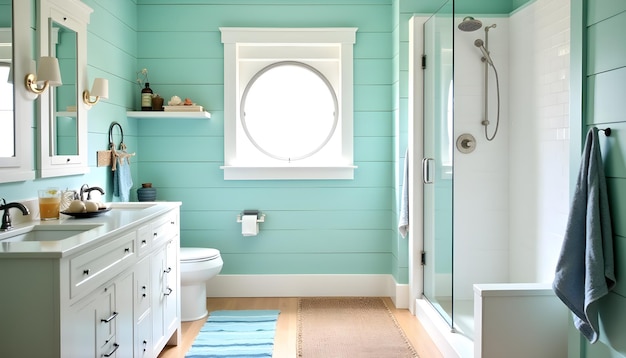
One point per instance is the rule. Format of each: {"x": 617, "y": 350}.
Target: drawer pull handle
{"x": 143, "y": 242}
{"x": 169, "y": 292}
{"x": 145, "y": 343}
{"x": 115, "y": 347}
{"x": 127, "y": 249}
{"x": 169, "y": 269}
{"x": 110, "y": 318}
{"x": 86, "y": 272}
{"x": 144, "y": 291}
{"x": 154, "y": 234}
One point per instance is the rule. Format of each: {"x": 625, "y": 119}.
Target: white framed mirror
{"x": 63, "y": 116}
{"x": 16, "y": 107}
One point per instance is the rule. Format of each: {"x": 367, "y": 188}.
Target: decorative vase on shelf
{"x": 146, "y": 192}
{"x": 146, "y": 98}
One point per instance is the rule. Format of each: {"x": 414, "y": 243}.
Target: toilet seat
{"x": 198, "y": 254}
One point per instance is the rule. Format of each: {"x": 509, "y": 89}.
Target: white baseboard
{"x": 309, "y": 286}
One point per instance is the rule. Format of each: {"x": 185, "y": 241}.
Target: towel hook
{"x": 607, "y": 131}
{"x": 111, "y": 144}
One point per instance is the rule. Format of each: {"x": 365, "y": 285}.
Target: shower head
{"x": 481, "y": 45}
{"x": 470, "y": 24}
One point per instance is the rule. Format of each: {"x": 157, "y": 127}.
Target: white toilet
{"x": 197, "y": 266}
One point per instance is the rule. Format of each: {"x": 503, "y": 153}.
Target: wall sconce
{"x": 100, "y": 89}
{"x": 48, "y": 74}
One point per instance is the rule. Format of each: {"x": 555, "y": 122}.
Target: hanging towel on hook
{"x": 585, "y": 268}
{"x": 122, "y": 179}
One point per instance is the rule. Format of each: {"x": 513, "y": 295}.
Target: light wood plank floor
{"x": 286, "y": 327}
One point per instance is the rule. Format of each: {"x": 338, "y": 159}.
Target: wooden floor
{"x": 286, "y": 327}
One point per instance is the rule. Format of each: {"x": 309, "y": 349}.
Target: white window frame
{"x": 293, "y": 44}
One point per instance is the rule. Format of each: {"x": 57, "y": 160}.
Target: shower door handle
{"x": 426, "y": 171}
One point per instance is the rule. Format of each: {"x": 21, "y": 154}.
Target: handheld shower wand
{"x": 481, "y": 45}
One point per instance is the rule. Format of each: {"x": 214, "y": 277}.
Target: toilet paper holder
{"x": 260, "y": 217}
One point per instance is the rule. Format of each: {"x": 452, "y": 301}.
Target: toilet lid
{"x": 198, "y": 253}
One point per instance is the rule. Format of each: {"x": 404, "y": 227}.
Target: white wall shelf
{"x": 163, "y": 114}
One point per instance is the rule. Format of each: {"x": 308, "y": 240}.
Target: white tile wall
{"x": 511, "y": 194}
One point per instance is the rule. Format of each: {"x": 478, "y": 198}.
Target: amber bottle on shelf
{"x": 146, "y": 98}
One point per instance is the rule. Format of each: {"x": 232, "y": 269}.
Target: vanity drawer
{"x": 165, "y": 228}
{"x": 144, "y": 238}
{"x": 92, "y": 268}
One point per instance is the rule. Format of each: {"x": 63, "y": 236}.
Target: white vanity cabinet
{"x": 113, "y": 297}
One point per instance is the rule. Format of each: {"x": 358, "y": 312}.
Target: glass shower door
{"x": 437, "y": 163}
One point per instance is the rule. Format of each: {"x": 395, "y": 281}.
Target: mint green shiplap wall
{"x": 323, "y": 227}
{"x": 111, "y": 53}
{"x": 601, "y": 67}
{"x": 5, "y": 13}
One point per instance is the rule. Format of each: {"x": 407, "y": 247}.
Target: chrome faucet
{"x": 6, "y": 217}
{"x": 86, "y": 189}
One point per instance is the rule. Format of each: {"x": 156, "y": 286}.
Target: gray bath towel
{"x": 403, "y": 221}
{"x": 585, "y": 269}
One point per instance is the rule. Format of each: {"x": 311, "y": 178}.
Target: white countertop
{"x": 122, "y": 216}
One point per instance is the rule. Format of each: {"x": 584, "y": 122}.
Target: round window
{"x": 289, "y": 110}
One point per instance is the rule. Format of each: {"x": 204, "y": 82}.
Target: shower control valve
{"x": 466, "y": 143}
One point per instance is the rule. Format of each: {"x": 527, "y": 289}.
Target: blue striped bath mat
{"x": 242, "y": 333}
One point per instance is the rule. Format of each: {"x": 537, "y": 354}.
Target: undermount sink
{"x": 44, "y": 233}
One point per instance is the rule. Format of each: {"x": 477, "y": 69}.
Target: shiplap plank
{"x": 619, "y": 247}
{"x": 372, "y": 72}
{"x": 372, "y": 97}
{"x": 606, "y": 45}
{"x": 184, "y": 71}
{"x": 612, "y": 312}
{"x": 210, "y": 175}
{"x": 118, "y": 27}
{"x": 291, "y": 241}
{"x": 280, "y": 198}
{"x": 605, "y": 97}
{"x": 601, "y": 10}
{"x": 209, "y": 148}
{"x": 188, "y": 149}
{"x": 124, "y": 11}
{"x": 372, "y": 18}
{"x": 5, "y": 13}
{"x": 166, "y": 127}
{"x": 276, "y": 220}
{"x": 372, "y": 124}
{"x": 616, "y": 188}
{"x": 184, "y": 45}
{"x": 314, "y": 263}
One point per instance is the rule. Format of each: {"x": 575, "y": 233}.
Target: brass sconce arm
{"x": 100, "y": 89}
{"x": 31, "y": 84}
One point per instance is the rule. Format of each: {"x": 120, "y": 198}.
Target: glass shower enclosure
{"x": 437, "y": 164}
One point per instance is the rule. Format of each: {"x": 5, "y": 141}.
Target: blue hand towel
{"x": 585, "y": 268}
{"x": 403, "y": 222}
{"x": 122, "y": 179}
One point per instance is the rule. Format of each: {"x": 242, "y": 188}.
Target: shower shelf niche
{"x": 162, "y": 114}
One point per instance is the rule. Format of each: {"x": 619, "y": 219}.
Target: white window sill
{"x": 287, "y": 172}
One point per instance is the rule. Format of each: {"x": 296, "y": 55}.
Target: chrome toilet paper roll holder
{"x": 260, "y": 217}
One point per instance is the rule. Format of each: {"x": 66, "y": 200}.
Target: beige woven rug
{"x": 351, "y": 327}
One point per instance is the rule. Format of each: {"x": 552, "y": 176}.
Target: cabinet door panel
{"x": 125, "y": 320}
